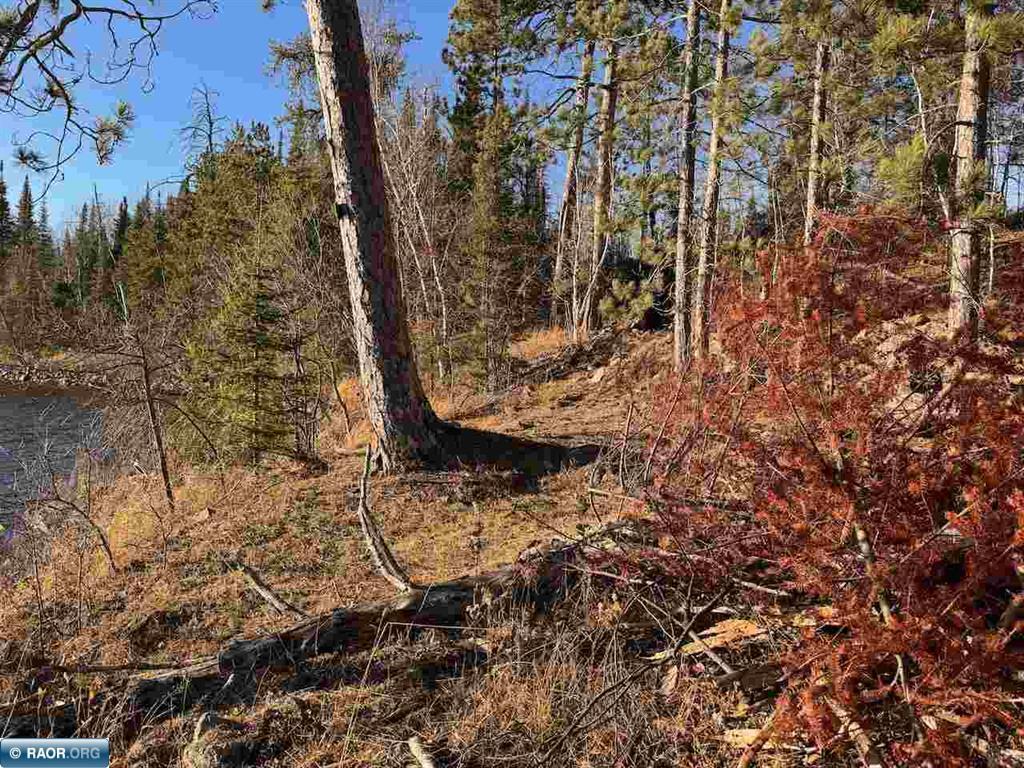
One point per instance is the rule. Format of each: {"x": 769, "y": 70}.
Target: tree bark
{"x": 821, "y": 66}
{"x": 603, "y": 187}
{"x": 688, "y": 130}
{"x": 969, "y": 149}
{"x": 700, "y": 311}
{"x": 402, "y": 419}
{"x": 154, "y": 423}
{"x": 567, "y": 210}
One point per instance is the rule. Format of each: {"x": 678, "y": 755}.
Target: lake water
{"x": 40, "y": 433}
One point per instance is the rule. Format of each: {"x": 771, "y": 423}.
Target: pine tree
{"x": 701, "y": 302}
{"x": 602, "y": 190}
{"x": 567, "y": 207}
{"x": 403, "y": 421}
{"x": 489, "y": 248}
{"x": 971, "y": 179}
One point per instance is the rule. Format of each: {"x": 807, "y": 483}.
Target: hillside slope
{"x": 176, "y": 596}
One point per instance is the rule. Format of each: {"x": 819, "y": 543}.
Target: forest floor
{"x": 250, "y": 626}
{"x": 175, "y": 596}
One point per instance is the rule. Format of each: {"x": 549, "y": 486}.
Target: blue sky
{"x": 228, "y": 52}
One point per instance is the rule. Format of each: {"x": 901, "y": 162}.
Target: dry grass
{"x": 301, "y": 532}
{"x": 174, "y": 599}
{"x": 539, "y": 343}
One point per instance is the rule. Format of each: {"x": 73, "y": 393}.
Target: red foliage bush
{"x": 882, "y": 469}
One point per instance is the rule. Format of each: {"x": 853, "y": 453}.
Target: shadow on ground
{"x": 469, "y": 448}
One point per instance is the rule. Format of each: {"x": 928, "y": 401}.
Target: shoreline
{"x": 84, "y": 395}
{"x": 33, "y": 379}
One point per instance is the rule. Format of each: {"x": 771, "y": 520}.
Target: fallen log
{"x": 537, "y": 580}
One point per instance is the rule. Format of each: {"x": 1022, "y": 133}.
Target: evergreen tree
{"x": 49, "y": 258}
{"x": 6, "y": 222}
{"x": 121, "y": 224}
{"x": 25, "y": 225}
{"x": 87, "y": 255}
{"x": 24, "y": 277}
{"x": 489, "y": 248}
{"x": 63, "y": 292}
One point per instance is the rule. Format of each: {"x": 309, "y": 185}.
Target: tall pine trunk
{"x": 567, "y": 210}
{"x": 700, "y": 313}
{"x": 821, "y": 64}
{"x": 603, "y": 186}
{"x": 403, "y": 422}
{"x": 969, "y": 149}
{"x": 688, "y": 153}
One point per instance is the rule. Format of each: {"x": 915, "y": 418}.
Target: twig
{"x": 661, "y": 659}
{"x": 99, "y": 669}
{"x": 625, "y": 444}
{"x": 261, "y": 588}
{"x": 766, "y": 590}
{"x": 868, "y": 553}
{"x": 710, "y": 653}
{"x": 613, "y": 495}
{"x": 380, "y": 552}
{"x": 860, "y": 738}
{"x": 419, "y": 752}
{"x": 727, "y": 505}
{"x": 762, "y": 738}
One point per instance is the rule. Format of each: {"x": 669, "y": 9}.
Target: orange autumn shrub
{"x": 840, "y": 446}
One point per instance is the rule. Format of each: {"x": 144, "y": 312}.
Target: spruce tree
{"x": 25, "y": 225}
{"x": 121, "y": 224}
{"x": 24, "y": 274}
{"x": 48, "y": 255}
{"x": 489, "y": 248}
{"x": 6, "y": 222}
{"x": 86, "y": 256}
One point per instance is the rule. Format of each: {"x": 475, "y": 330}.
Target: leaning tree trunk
{"x": 969, "y": 148}
{"x": 821, "y": 64}
{"x": 155, "y": 430}
{"x": 567, "y": 210}
{"x": 700, "y": 311}
{"x": 603, "y": 187}
{"x": 403, "y": 422}
{"x": 688, "y": 130}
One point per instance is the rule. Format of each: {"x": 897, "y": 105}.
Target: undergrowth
{"x": 873, "y": 465}
{"x": 831, "y": 573}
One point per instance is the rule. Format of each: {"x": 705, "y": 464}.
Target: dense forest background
{"x": 588, "y": 151}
